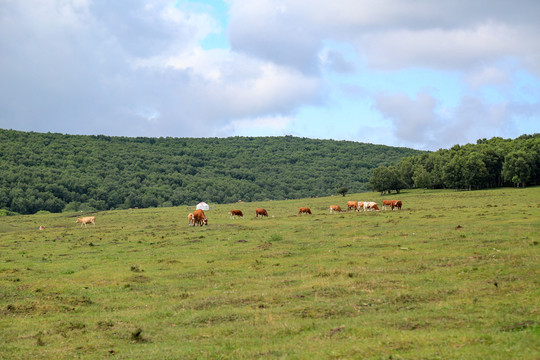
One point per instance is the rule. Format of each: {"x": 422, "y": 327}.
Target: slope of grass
{"x": 454, "y": 275}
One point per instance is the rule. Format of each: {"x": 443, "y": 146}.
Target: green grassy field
{"x": 453, "y": 275}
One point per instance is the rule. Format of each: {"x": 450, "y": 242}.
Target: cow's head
{"x": 205, "y": 221}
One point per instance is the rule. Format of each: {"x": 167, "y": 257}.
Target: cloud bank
{"x": 139, "y": 68}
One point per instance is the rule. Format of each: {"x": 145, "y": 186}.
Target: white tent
{"x": 202, "y": 206}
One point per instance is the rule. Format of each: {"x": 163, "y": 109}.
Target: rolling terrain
{"x": 56, "y": 172}
{"x": 453, "y": 275}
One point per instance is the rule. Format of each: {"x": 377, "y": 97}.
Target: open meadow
{"x": 453, "y": 275}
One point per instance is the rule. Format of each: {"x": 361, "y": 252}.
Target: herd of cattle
{"x": 198, "y": 217}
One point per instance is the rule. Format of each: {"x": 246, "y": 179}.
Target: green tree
{"x": 72, "y": 206}
{"x": 475, "y": 173}
{"x": 379, "y": 180}
{"x": 406, "y": 172}
{"x": 493, "y": 158}
{"x": 395, "y": 181}
{"x": 453, "y": 173}
{"x": 343, "y": 190}
{"x": 517, "y": 167}
{"x": 435, "y": 167}
{"x": 421, "y": 177}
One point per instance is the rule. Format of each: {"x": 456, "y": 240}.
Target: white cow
{"x": 370, "y": 205}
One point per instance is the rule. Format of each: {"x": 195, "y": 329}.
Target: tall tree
{"x": 475, "y": 174}
{"x": 343, "y": 190}
{"x": 453, "y": 173}
{"x": 421, "y": 177}
{"x": 379, "y": 180}
{"x": 395, "y": 180}
{"x": 517, "y": 167}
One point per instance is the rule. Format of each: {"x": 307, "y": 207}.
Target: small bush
{"x": 4, "y": 212}
{"x": 276, "y": 237}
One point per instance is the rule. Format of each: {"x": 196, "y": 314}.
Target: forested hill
{"x": 486, "y": 164}
{"x": 57, "y": 172}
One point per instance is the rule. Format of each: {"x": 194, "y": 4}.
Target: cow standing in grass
{"x": 86, "y": 220}
{"x": 334, "y": 208}
{"x": 304, "y": 210}
{"x": 199, "y": 218}
{"x": 261, "y": 212}
{"x": 386, "y": 203}
{"x": 396, "y": 204}
{"x": 234, "y": 213}
{"x": 370, "y": 205}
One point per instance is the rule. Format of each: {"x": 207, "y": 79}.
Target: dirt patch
{"x": 334, "y": 331}
{"x": 521, "y": 326}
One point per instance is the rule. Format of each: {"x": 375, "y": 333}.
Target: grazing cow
{"x": 334, "y": 208}
{"x": 41, "y": 227}
{"x": 370, "y": 205}
{"x": 261, "y": 212}
{"x": 360, "y": 206}
{"x": 86, "y": 220}
{"x": 191, "y": 220}
{"x": 352, "y": 205}
{"x": 386, "y": 203}
{"x": 234, "y": 213}
{"x": 199, "y": 218}
{"x": 396, "y": 204}
{"x": 304, "y": 210}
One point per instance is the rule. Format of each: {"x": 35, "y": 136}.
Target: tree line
{"x": 488, "y": 163}
{"x": 56, "y": 172}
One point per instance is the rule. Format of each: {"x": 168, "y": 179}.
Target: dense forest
{"x": 486, "y": 164}
{"x": 56, "y": 172}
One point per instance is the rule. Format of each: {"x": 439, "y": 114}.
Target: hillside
{"x": 57, "y": 172}
{"x": 487, "y": 164}
{"x": 453, "y": 275}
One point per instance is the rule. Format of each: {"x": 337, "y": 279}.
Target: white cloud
{"x": 418, "y": 122}
{"x": 334, "y": 60}
{"x": 489, "y": 75}
{"x": 457, "y": 49}
{"x": 104, "y": 67}
{"x": 137, "y": 68}
{"x": 414, "y": 120}
{"x": 276, "y": 125}
{"x": 391, "y": 33}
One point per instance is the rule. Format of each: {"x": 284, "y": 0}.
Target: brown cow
{"x": 352, "y": 205}
{"x": 86, "y": 220}
{"x": 200, "y": 218}
{"x": 386, "y": 203}
{"x": 191, "y": 221}
{"x": 261, "y": 212}
{"x": 396, "y": 204}
{"x": 234, "y": 213}
{"x": 304, "y": 210}
{"x": 360, "y": 206}
{"x": 334, "y": 208}
{"x": 370, "y": 205}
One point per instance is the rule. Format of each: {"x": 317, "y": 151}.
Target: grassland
{"x": 453, "y": 275}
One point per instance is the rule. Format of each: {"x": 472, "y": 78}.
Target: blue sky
{"x": 414, "y": 73}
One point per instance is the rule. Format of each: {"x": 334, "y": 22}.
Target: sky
{"x": 422, "y": 74}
